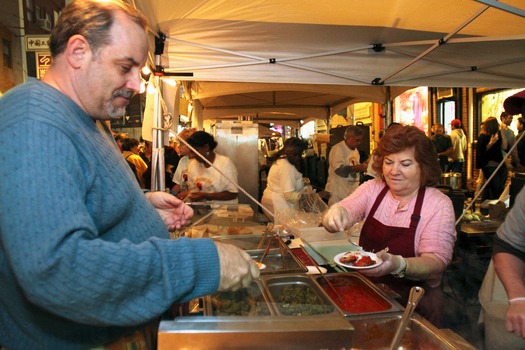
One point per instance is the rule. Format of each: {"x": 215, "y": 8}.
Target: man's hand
{"x": 237, "y": 267}
{"x": 515, "y": 318}
{"x": 172, "y": 210}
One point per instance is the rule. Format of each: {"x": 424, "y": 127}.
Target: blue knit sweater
{"x": 84, "y": 257}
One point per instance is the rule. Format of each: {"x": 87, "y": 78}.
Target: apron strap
{"x": 416, "y": 215}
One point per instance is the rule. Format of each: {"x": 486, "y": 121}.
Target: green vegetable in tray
{"x": 238, "y": 303}
{"x": 301, "y": 300}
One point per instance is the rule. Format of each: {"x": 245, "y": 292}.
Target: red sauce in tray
{"x": 356, "y": 297}
{"x": 301, "y": 255}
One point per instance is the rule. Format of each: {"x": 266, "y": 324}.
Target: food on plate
{"x": 349, "y": 258}
{"x": 357, "y": 259}
{"x": 364, "y": 261}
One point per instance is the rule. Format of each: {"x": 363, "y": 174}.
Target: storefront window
{"x": 492, "y": 105}
{"x": 29, "y": 10}
{"x": 6, "y": 52}
{"x": 411, "y": 107}
{"x": 447, "y": 113}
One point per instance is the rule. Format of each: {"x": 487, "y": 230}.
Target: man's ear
{"x": 77, "y": 51}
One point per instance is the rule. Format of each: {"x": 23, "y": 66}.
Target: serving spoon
{"x": 416, "y": 293}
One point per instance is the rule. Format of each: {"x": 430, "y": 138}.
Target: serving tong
{"x": 266, "y": 250}
{"x": 271, "y": 237}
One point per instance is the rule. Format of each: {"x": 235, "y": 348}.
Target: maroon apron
{"x": 376, "y": 236}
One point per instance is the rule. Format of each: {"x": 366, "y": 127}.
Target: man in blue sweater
{"x": 85, "y": 255}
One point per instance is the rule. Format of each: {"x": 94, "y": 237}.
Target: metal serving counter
{"x": 288, "y": 308}
{"x": 212, "y": 220}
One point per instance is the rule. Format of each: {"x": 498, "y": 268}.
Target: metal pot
{"x": 451, "y": 179}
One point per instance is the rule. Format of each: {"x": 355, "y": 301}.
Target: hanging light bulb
{"x": 142, "y": 86}
{"x": 146, "y": 71}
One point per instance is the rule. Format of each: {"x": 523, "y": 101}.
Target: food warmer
{"x": 286, "y": 307}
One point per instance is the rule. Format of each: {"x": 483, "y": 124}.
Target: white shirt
{"x": 459, "y": 142}
{"x": 210, "y": 180}
{"x": 182, "y": 168}
{"x": 282, "y": 178}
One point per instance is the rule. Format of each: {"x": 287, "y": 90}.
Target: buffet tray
{"x": 250, "y": 302}
{"x": 278, "y": 261}
{"x": 298, "y": 295}
{"x": 359, "y": 295}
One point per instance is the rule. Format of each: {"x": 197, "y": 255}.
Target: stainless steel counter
{"x": 302, "y": 333}
{"x": 273, "y": 328}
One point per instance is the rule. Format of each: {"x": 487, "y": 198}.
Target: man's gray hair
{"x": 354, "y": 131}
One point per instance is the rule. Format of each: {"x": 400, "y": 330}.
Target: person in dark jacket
{"x": 443, "y": 144}
{"x": 521, "y": 145}
{"x": 489, "y": 156}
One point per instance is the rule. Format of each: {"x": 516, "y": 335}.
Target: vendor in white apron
{"x": 284, "y": 182}
{"x": 344, "y": 166}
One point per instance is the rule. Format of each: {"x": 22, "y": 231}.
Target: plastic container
{"x": 315, "y": 234}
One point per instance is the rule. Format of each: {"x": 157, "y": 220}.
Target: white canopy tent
{"x": 301, "y": 59}
{"x": 439, "y": 43}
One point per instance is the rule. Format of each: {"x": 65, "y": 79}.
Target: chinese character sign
{"x": 43, "y": 62}
{"x": 37, "y": 42}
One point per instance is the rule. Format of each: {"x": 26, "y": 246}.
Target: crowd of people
{"x": 86, "y": 258}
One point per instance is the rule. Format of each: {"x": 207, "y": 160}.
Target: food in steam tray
{"x": 244, "y": 302}
{"x": 301, "y": 255}
{"x": 354, "y": 295}
{"x": 300, "y": 300}
{"x": 357, "y": 259}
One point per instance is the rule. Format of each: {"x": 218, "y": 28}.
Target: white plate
{"x": 374, "y": 257}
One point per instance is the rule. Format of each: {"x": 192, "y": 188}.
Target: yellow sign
{"x": 37, "y": 42}
{"x": 43, "y": 62}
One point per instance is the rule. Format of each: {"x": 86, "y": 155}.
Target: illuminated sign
{"x": 37, "y": 42}
{"x": 43, "y": 62}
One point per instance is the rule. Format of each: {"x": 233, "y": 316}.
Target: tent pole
{"x": 437, "y": 44}
{"x": 158, "y": 174}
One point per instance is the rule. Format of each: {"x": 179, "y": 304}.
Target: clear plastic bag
{"x": 308, "y": 212}
{"x": 310, "y": 202}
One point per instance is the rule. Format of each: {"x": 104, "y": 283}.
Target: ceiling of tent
{"x": 305, "y": 58}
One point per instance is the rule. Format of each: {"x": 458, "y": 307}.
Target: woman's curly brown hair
{"x": 401, "y": 137}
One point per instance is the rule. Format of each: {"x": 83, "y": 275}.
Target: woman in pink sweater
{"x": 404, "y": 213}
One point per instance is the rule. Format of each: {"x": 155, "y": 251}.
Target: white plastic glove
{"x": 336, "y": 219}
